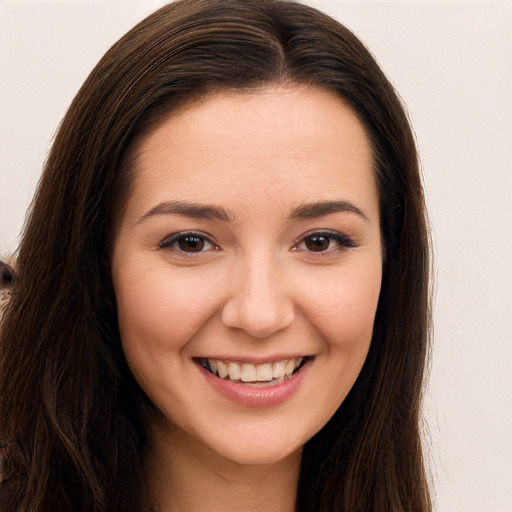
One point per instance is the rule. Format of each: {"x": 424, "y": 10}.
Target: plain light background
{"x": 450, "y": 62}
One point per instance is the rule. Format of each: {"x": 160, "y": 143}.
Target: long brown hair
{"x": 71, "y": 412}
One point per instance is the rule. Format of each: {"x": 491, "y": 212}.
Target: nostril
{"x": 257, "y": 318}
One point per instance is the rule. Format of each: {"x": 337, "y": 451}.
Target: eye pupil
{"x": 191, "y": 244}
{"x": 317, "y": 243}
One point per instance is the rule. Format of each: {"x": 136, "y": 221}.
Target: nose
{"x": 258, "y": 302}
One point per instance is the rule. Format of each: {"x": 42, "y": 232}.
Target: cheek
{"x": 161, "y": 310}
{"x": 344, "y": 305}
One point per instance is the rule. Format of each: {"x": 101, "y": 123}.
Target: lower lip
{"x": 252, "y": 396}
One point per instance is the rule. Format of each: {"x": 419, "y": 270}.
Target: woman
{"x": 223, "y": 291}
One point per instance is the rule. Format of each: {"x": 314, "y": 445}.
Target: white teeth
{"x": 278, "y": 369}
{"x": 255, "y": 374}
{"x": 222, "y": 369}
{"x": 289, "y": 367}
{"x": 248, "y": 373}
{"x": 234, "y": 371}
{"x": 264, "y": 372}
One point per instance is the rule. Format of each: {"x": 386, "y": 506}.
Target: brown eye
{"x": 188, "y": 243}
{"x": 191, "y": 243}
{"x": 326, "y": 241}
{"x": 317, "y": 243}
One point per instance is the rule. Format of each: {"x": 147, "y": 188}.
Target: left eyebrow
{"x": 322, "y": 208}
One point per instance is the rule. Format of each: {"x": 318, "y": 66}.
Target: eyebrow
{"x": 209, "y": 212}
{"x": 322, "y": 208}
{"x": 194, "y": 210}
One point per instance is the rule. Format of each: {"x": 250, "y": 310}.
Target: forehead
{"x": 272, "y": 141}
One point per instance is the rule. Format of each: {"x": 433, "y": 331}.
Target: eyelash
{"x": 343, "y": 241}
{"x": 329, "y": 236}
{"x": 168, "y": 242}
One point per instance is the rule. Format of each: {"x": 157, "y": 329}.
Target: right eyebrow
{"x": 194, "y": 210}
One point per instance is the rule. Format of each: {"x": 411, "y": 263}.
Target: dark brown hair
{"x": 69, "y": 407}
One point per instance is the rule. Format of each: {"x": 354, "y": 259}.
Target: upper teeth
{"x": 247, "y": 372}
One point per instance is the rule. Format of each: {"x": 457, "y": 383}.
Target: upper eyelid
{"x": 327, "y": 233}
{"x": 169, "y": 239}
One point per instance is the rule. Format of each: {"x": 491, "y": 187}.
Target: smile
{"x": 263, "y": 374}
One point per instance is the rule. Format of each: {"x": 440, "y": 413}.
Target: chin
{"x": 260, "y": 455}
{"x": 257, "y": 449}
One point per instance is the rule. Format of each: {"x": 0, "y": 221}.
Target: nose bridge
{"x": 259, "y": 302}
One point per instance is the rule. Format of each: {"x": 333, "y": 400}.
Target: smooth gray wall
{"x": 450, "y": 61}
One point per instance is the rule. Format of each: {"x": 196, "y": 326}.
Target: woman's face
{"x": 247, "y": 269}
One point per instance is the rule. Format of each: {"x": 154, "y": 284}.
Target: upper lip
{"x": 256, "y": 360}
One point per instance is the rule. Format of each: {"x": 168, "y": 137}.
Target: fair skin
{"x": 250, "y": 245}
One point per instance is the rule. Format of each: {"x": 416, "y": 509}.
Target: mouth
{"x": 256, "y": 375}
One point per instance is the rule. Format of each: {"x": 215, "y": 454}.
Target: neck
{"x": 184, "y": 475}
